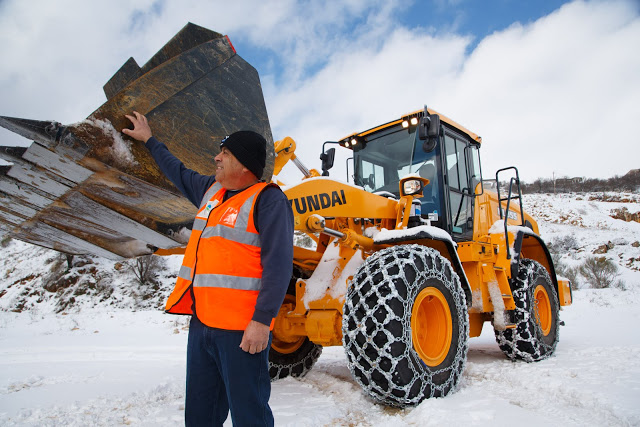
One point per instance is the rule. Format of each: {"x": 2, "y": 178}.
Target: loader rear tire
{"x": 295, "y": 364}
{"x": 535, "y": 335}
{"x": 405, "y": 326}
{"x": 292, "y": 358}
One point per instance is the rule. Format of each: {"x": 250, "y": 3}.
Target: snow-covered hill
{"x": 88, "y": 345}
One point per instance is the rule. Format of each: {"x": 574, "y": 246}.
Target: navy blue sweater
{"x": 274, "y": 221}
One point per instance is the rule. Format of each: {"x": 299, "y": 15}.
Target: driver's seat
{"x": 429, "y": 171}
{"x": 430, "y": 199}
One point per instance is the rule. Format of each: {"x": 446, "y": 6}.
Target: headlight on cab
{"x": 412, "y": 186}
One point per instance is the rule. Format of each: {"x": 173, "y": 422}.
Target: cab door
{"x": 458, "y": 173}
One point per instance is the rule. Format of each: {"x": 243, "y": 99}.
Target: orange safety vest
{"x": 221, "y": 273}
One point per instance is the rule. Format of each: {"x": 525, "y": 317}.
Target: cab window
{"x": 460, "y": 194}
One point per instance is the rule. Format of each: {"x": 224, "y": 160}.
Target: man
{"x": 234, "y": 275}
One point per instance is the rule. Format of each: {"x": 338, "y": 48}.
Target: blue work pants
{"x": 221, "y": 377}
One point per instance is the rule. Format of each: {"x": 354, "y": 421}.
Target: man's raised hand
{"x": 141, "y": 130}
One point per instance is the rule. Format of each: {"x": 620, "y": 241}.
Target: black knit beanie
{"x": 250, "y": 148}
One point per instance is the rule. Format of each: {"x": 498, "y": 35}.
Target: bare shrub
{"x": 69, "y": 259}
{"x": 564, "y": 244}
{"x": 599, "y": 272}
{"x": 620, "y": 284}
{"x": 572, "y": 273}
{"x": 562, "y": 269}
{"x": 146, "y": 269}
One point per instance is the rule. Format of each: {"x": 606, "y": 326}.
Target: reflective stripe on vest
{"x": 185, "y": 272}
{"x": 215, "y": 187}
{"x": 240, "y": 236}
{"x": 198, "y": 224}
{"x": 229, "y": 282}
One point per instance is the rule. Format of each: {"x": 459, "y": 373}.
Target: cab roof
{"x": 418, "y": 114}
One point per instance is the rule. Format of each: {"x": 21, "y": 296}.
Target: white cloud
{"x": 364, "y": 86}
{"x": 57, "y": 55}
{"x": 557, "y": 95}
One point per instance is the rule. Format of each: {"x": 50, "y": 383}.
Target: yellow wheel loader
{"x": 410, "y": 256}
{"x": 410, "y": 259}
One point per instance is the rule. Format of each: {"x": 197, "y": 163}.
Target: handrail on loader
{"x": 514, "y": 181}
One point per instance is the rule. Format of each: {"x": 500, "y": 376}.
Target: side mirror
{"x": 429, "y": 145}
{"x": 429, "y": 126}
{"x": 327, "y": 160}
{"x": 434, "y": 126}
{"x": 428, "y": 130}
{"x": 423, "y": 128}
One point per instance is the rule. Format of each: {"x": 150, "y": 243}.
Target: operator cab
{"x": 440, "y": 150}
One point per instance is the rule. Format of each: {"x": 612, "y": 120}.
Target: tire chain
{"x": 297, "y": 369}
{"x": 376, "y": 360}
{"x": 524, "y": 341}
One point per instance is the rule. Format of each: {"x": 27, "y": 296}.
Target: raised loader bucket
{"x": 86, "y": 188}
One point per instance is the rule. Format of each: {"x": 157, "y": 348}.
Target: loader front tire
{"x": 405, "y": 326}
{"x": 291, "y": 357}
{"x": 535, "y": 335}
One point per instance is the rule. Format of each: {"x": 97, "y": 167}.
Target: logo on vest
{"x": 229, "y": 217}
{"x": 204, "y": 213}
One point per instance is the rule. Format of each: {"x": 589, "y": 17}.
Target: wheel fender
{"x": 457, "y": 266}
{"x": 536, "y": 250}
{"x": 424, "y": 237}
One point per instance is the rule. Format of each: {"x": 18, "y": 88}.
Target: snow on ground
{"x": 108, "y": 365}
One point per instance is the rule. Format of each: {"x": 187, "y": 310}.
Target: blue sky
{"x": 547, "y": 84}
{"x": 473, "y": 18}
{"x": 479, "y": 18}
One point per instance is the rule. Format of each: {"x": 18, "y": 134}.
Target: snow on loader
{"x": 408, "y": 260}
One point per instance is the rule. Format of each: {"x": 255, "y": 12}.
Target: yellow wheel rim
{"x": 282, "y": 342}
{"x": 431, "y": 326}
{"x": 542, "y": 309}
{"x": 284, "y": 347}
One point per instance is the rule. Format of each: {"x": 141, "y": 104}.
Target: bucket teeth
{"x": 42, "y": 131}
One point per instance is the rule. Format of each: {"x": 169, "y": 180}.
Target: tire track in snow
{"x": 570, "y": 396}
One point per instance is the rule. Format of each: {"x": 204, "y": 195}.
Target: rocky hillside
{"x": 581, "y": 228}
{"x": 577, "y": 227}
